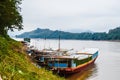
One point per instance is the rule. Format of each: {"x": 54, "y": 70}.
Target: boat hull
{"x": 74, "y": 70}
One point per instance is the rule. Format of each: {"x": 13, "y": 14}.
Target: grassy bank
{"x": 15, "y": 64}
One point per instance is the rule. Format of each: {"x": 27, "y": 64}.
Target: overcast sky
{"x": 94, "y": 15}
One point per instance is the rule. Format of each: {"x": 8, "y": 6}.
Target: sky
{"x": 93, "y": 15}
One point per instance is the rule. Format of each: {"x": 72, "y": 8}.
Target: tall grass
{"x": 16, "y": 65}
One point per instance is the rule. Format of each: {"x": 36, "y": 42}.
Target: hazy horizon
{"x": 69, "y": 30}
{"x": 93, "y": 15}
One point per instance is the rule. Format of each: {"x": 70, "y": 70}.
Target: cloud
{"x": 97, "y": 15}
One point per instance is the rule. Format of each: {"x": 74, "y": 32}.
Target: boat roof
{"x": 85, "y": 53}
{"x": 88, "y": 51}
{"x": 75, "y": 56}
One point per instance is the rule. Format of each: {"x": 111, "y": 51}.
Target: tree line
{"x": 113, "y": 34}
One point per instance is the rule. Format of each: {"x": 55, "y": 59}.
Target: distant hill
{"x": 78, "y": 31}
{"x": 113, "y": 34}
{"x": 42, "y": 33}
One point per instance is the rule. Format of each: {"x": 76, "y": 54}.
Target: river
{"x": 107, "y": 65}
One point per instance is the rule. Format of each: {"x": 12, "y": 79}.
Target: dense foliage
{"x": 16, "y": 65}
{"x": 10, "y": 17}
{"x": 113, "y": 34}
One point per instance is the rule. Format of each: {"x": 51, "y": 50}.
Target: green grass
{"x": 16, "y": 65}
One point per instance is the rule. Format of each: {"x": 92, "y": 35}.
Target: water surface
{"x": 107, "y": 65}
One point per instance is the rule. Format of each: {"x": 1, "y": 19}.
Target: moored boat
{"x": 65, "y": 61}
{"x": 68, "y": 63}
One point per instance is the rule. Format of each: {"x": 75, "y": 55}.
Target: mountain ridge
{"x": 113, "y": 34}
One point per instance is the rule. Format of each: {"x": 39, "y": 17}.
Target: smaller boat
{"x": 68, "y": 63}
{"x": 27, "y": 39}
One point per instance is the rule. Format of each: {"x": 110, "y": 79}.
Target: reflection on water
{"x": 85, "y": 74}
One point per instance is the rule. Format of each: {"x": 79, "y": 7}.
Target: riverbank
{"x": 15, "y": 64}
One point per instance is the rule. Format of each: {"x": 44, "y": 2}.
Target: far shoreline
{"x": 70, "y": 39}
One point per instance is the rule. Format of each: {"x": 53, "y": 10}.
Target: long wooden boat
{"x": 68, "y": 63}
{"x": 63, "y": 61}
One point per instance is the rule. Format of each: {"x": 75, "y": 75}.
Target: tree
{"x": 10, "y": 17}
{"x": 114, "y": 34}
